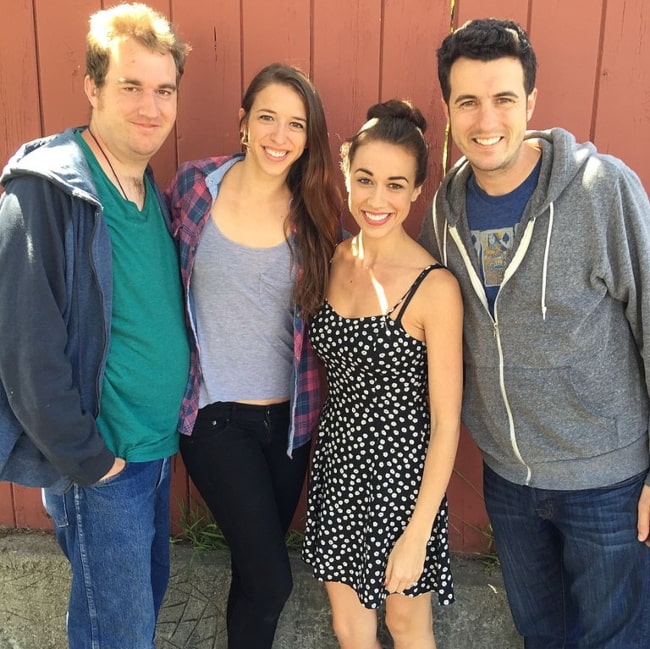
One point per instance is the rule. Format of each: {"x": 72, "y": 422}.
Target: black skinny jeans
{"x": 237, "y": 458}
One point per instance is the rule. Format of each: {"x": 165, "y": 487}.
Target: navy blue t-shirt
{"x": 493, "y": 222}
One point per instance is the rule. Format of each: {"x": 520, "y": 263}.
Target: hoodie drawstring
{"x": 546, "y": 252}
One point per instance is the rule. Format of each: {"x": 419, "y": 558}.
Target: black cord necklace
{"x": 99, "y": 146}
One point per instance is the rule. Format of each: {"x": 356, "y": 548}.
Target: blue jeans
{"x": 116, "y": 536}
{"x": 575, "y": 574}
{"x": 237, "y": 458}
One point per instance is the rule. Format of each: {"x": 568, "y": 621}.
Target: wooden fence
{"x": 593, "y": 79}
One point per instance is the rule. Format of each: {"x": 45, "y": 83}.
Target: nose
{"x": 376, "y": 197}
{"x": 487, "y": 116}
{"x": 279, "y": 133}
{"x": 148, "y": 105}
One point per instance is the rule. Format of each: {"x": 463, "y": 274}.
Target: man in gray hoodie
{"x": 550, "y": 241}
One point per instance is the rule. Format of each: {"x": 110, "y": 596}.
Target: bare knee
{"x": 399, "y": 623}
{"x": 354, "y": 625}
{"x": 352, "y": 635}
{"x": 410, "y": 624}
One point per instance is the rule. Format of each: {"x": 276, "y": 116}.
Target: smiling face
{"x": 135, "y": 108}
{"x": 381, "y": 187}
{"x": 275, "y": 129}
{"x": 488, "y": 112}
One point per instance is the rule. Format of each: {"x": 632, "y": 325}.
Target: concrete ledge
{"x": 34, "y": 581}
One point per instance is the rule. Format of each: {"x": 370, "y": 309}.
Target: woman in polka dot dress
{"x": 390, "y": 336}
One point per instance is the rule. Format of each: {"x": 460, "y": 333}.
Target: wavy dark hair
{"x": 316, "y": 204}
{"x": 395, "y": 121}
{"x": 487, "y": 39}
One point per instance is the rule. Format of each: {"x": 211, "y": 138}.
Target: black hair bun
{"x": 398, "y": 109}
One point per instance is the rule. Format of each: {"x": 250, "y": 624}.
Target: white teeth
{"x": 276, "y": 154}
{"x": 487, "y": 141}
{"x": 376, "y": 217}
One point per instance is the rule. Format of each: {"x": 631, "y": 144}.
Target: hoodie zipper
{"x": 100, "y": 375}
{"x": 479, "y": 289}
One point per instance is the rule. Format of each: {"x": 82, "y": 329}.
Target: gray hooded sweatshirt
{"x": 556, "y": 395}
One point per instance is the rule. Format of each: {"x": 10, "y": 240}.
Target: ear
{"x": 416, "y": 192}
{"x": 242, "y": 114}
{"x": 445, "y": 108}
{"x": 530, "y": 104}
{"x": 91, "y": 90}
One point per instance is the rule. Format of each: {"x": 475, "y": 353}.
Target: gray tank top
{"x": 244, "y": 318}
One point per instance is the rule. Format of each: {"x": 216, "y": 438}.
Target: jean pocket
{"x": 56, "y": 508}
{"x": 105, "y": 482}
{"x": 207, "y": 428}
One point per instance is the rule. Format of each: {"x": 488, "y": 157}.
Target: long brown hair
{"x": 315, "y": 206}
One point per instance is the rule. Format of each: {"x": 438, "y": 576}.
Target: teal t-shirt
{"x": 148, "y": 356}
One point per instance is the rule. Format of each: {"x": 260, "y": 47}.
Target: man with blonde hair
{"x": 92, "y": 384}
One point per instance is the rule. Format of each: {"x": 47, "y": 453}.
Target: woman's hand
{"x": 405, "y": 563}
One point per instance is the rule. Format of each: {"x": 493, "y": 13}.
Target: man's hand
{"x": 643, "y": 521}
{"x": 118, "y": 467}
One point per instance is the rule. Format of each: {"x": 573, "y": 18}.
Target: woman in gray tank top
{"x": 256, "y": 232}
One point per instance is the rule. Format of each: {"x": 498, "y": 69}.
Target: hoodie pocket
{"x": 553, "y": 417}
{"x": 555, "y": 420}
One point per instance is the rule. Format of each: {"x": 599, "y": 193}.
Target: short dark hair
{"x": 136, "y": 21}
{"x": 487, "y": 39}
{"x": 397, "y": 122}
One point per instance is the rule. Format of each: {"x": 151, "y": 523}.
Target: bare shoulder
{"x": 342, "y": 251}
{"x": 438, "y": 295}
{"x": 440, "y": 279}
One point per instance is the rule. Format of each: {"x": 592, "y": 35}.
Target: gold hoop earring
{"x": 243, "y": 138}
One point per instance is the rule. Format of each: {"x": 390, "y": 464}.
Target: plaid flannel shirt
{"x": 190, "y": 197}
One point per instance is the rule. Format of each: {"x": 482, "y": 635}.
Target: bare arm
{"x": 441, "y": 309}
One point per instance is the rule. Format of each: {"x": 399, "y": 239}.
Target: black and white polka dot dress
{"x": 372, "y": 442}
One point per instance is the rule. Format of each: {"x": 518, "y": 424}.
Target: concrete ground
{"x": 34, "y": 587}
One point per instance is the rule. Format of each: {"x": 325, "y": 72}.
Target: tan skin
{"x": 253, "y": 202}
{"x": 133, "y": 112}
{"x": 369, "y": 274}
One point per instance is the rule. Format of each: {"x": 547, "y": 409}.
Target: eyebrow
{"x": 136, "y": 82}
{"x": 369, "y": 173}
{"x": 505, "y": 93}
{"x": 275, "y": 112}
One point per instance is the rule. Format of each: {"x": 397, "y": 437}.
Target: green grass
{"x": 201, "y": 532}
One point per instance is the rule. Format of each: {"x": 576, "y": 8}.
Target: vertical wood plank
{"x": 7, "y": 514}
{"x": 29, "y": 509}
{"x": 468, "y": 522}
{"x": 346, "y": 68}
{"x": 622, "y": 125}
{"x": 274, "y": 32}
{"x": 211, "y": 90}
{"x": 19, "y": 91}
{"x": 412, "y": 73}
{"x": 567, "y": 65}
{"x": 61, "y": 29}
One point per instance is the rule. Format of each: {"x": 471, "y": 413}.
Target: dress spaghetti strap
{"x": 406, "y": 298}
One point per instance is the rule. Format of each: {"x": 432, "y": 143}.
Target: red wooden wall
{"x": 593, "y": 79}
